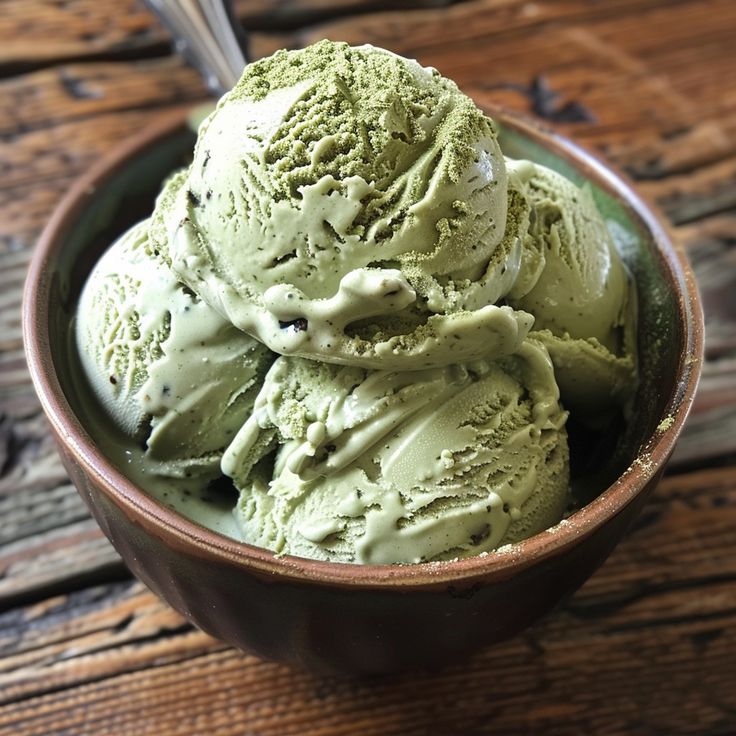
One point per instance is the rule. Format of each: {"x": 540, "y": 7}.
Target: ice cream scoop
{"x": 167, "y": 370}
{"x": 575, "y": 283}
{"x": 367, "y": 466}
{"x": 582, "y": 287}
{"x": 336, "y": 190}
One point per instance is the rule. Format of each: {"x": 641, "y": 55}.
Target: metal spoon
{"x": 208, "y": 35}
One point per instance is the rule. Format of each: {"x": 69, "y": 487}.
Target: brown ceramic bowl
{"x": 349, "y": 617}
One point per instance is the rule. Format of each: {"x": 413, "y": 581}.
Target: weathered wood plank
{"x": 25, "y": 211}
{"x": 38, "y": 31}
{"x": 653, "y": 157}
{"x": 47, "y": 538}
{"x": 710, "y": 427}
{"x": 97, "y": 632}
{"x": 48, "y": 31}
{"x": 465, "y": 23}
{"x": 13, "y": 266}
{"x": 58, "y": 559}
{"x": 642, "y": 649}
{"x": 657, "y": 557}
{"x": 67, "y": 148}
{"x": 710, "y": 243}
{"x": 696, "y": 194}
{"x": 39, "y": 506}
{"x": 57, "y": 95}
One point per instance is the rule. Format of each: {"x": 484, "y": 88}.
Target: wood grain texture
{"x": 46, "y": 31}
{"x": 73, "y": 92}
{"x": 642, "y": 648}
{"x": 646, "y": 647}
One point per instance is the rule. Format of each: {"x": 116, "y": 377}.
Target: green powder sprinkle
{"x": 665, "y": 424}
{"x": 364, "y": 112}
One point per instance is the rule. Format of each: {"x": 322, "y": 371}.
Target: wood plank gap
{"x": 160, "y": 50}
{"x": 652, "y": 624}
{"x": 109, "y": 572}
{"x": 584, "y": 609}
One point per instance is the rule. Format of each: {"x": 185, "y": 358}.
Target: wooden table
{"x": 648, "y": 646}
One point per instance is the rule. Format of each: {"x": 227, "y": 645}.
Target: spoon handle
{"x": 207, "y": 34}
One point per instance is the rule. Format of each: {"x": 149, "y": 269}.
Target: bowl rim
{"x": 188, "y": 536}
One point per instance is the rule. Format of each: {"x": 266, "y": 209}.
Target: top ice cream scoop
{"x": 349, "y": 205}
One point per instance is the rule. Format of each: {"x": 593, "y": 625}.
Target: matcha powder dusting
{"x": 338, "y": 184}
{"x": 363, "y": 115}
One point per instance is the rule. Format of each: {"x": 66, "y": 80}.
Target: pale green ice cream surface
{"x": 437, "y": 310}
{"x": 167, "y": 370}
{"x": 581, "y": 294}
{"x": 335, "y": 184}
{"x": 383, "y": 467}
{"x": 582, "y": 288}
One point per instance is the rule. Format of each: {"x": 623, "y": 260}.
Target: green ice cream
{"x": 167, "y": 370}
{"x": 346, "y": 204}
{"x": 438, "y": 310}
{"x": 576, "y": 285}
{"x": 383, "y": 467}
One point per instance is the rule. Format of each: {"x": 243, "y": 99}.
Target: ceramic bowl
{"x": 354, "y": 618}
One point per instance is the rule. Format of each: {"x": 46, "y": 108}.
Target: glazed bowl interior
{"x": 122, "y": 191}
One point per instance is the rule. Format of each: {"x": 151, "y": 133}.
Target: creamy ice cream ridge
{"x": 356, "y": 312}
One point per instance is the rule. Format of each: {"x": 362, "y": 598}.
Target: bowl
{"x": 354, "y": 618}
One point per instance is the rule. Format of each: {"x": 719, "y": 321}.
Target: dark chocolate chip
{"x": 476, "y": 539}
{"x": 298, "y": 325}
